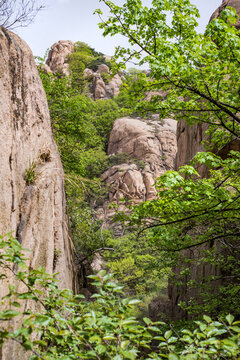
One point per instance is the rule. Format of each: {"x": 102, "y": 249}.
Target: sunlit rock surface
{"x": 34, "y": 211}
{"x": 148, "y": 149}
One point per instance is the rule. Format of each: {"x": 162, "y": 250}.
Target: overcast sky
{"x": 74, "y": 20}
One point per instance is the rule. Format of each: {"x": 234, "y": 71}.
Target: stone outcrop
{"x": 103, "y": 69}
{"x": 147, "y": 149}
{"x": 113, "y": 87}
{"x": 100, "y": 88}
{"x": 57, "y": 59}
{"x": 32, "y": 209}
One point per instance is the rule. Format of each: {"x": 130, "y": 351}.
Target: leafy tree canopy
{"x": 199, "y": 72}
{"x": 197, "y": 76}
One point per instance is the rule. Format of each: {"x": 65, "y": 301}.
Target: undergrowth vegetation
{"x": 56, "y": 324}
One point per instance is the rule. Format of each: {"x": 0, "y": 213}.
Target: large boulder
{"x": 32, "y": 197}
{"x": 149, "y": 147}
{"x": 113, "y": 87}
{"x": 99, "y": 87}
{"x": 103, "y": 69}
{"x": 58, "y": 56}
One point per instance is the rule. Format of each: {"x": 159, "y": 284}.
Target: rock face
{"x": 189, "y": 143}
{"x": 232, "y": 3}
{"x": 34, "y": 211}
{"x": 101, "y": 89}
{"x": 58, "y": 56}
{"x": 103, "y": 69}
{"x": 148, "y": 149}
{"x": 113, "y": 87}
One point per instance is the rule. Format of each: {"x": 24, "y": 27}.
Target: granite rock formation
{"x": 57, "y": 60}
{"x": 189, "y": 142}
{"x": 34, "y": 211}
{"x": 148, "y": 149}
{"x": 113, "y": 87}
{"x": 100, "y": 88}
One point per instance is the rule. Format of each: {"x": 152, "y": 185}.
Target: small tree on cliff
{"x": 15, "y": 13}
{"x": 199, "y": 76}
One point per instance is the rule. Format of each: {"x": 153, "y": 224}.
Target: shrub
{"x": 69, "y": 328}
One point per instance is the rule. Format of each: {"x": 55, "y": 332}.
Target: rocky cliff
{"x": 57, "y": 60}
{"x": 32, "y": 198}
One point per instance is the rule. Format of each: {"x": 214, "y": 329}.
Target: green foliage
{"x": 133, "y": 263}
{"x": 78, "y": 61}
{"x": 190, "y": 212}
{"x": 81, "y": 129}
{"x": 196, "y": 79}
{"x": 81, "y": 126}
{"x": 83, "y": 196}
{"x": 30, "y": 173}
{"x": 83, "y": 57}
{"x": 131, "y": 91}
{"x": 198, "y": 72}
{"x": 67, "y": 327}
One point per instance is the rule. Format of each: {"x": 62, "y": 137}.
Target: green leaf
{"x": 207, "y": 319}
{"x": 9, "y": 314}
{"x": 230, "y": 319}
{"x": 101, "y": 349}
{"x": 168, "y": 334}
{"x": 173, "y": 357}
{"x": 147, "y": 321}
